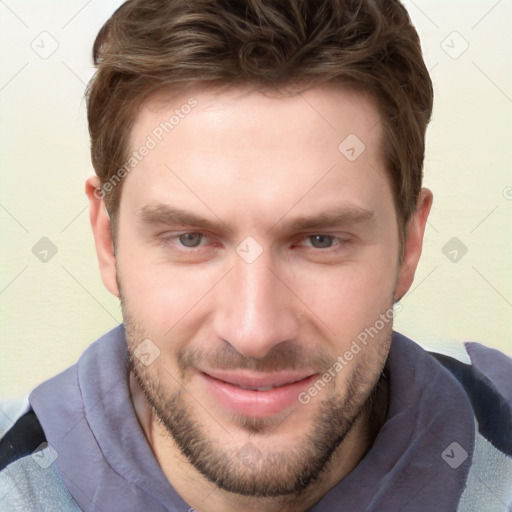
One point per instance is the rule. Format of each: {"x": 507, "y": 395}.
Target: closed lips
{"x": 254, "y": 382}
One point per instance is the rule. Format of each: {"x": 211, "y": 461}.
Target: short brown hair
{"x": 367, "y": 45}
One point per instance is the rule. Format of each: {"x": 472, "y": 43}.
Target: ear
{"x": 100, "y": 224}
{"x": 413, "y": 243}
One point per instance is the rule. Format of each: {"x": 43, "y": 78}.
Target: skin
{"x": 249, "y": 164}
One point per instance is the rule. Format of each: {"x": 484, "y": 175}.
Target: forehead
{"x": 327, "y": 107}
{"x": 261, "y": 149}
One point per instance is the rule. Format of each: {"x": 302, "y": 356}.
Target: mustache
{"x": 280, "y": 358}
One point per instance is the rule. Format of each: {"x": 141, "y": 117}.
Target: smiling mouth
{"x": 255, "y": 394}
{"x": 257, "y": 381}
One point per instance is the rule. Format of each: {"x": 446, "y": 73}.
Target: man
{"x": 257, "y": 208}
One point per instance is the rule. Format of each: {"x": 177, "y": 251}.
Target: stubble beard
{"x": 248, "y": 468}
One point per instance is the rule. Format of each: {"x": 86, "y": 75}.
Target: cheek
{"x": 160, "y": 296}
{"x": 350, "y": 297}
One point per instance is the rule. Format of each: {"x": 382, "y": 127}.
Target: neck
{"x": 203, "y": 495}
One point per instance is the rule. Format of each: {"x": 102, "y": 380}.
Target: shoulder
{"x": 496, "y": 366}
{"x": 28, "y": 477}
{"x": 486, "y": 376}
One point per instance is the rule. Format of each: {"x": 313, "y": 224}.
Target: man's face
{"x": 255, "y": 243}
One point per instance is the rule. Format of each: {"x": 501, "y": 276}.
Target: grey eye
{"x": 321, "y": 241}
{"x": 190, "y": 239}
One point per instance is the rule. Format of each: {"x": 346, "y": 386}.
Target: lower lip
{"x": 253, "y": 403}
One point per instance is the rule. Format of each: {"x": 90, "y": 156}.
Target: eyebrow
{"x": 341, "y": 216}
{"x": 164, "y": 214}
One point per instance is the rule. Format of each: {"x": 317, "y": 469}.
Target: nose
{"x": 256, "y": 309}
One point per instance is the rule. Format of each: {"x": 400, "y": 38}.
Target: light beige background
{"x": 51, "y": 311}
